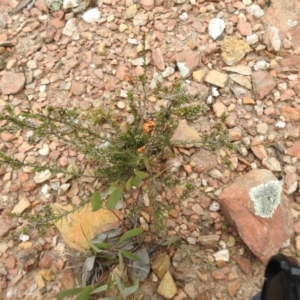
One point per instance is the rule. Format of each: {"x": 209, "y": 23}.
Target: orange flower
{"x": 148, "y": 126}
{"x": 128, "y": 78}
{"x": 141, "y": 149}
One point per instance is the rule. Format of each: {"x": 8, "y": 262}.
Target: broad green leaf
{"x": 129, "y": 183}
{"x": 103, "y": 245}
{"x": 131, "y": 290}
{"x": 120, "y": 286}
{"x": 147, "y": 163}
{"x": 114, "y": 198}
{"x": 135, "y": 279}
{"x": 96, "y": 201}
{"x": 129, "y": 255}
{"x": 111, "y": 188}
{"x": 137, "y": 181}
{"x": 141, "y": 174}
{"x": 130, "y": 233}
{"x": 100, "y": 289}
{"x": 85, "y": 294}
{"x": 68, "y": 293}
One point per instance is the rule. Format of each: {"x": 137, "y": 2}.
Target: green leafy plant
{"x": 125, "y": 157}
{"x": 104, "y": 270}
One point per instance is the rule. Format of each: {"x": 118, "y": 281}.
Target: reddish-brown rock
{"x": 203, "y": 160}
{"x": 28, "y": 186}
{"x": 244, "y": 28}
{"x": 290, "y": 113}
{"x": 263, "y": 236}
{"x": 6, "y": 226}
{"x": 233, "y": 288}
{"x": 263, "y": 83}
{"x": 78, "y": 88}
{"x": 294, "y": 150}
{"x": 41, "y": 5}
{"x": 291, "y": 62}
{"x": 187, "y": 62}
{"x": 147, "y": 4}
{"x": 10, "y": 262}
{"x": 12, "y": 83}
{"x": 45, "y": 262}
{"x": 258, "y": 149}
{"x": 218, "y": 275}
{"x": 287, "y": 95}
{"x": 245, "y": 265}
{"x": 158, "y": 59}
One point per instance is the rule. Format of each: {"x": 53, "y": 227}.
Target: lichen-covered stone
{"x": 233, "y": 50}
{"x": 264, "y": 236}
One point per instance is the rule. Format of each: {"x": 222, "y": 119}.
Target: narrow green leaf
{"x": 135, "y": 279}
{"x": 110, "y": 298}
{"x": 129, "y": 255}
{"x": 96, "y": 201}
{"x": 100, "y": 289}
{"x": 103, "y": 245}
{"x": 114, "y": 198}
{"x": 147, "y": 163}
{"x": 95, "y": 248}
{"x": 110, "y": 283}
{"x": 68, "y": 293}
{"x": 84, "y": 295}
{"x": 120, "y": 286}
{"x": 121, "y": 263}
{"x": 129, "y": 183}
{"x": 160, "y": 173}
{"x": 130, "y": 233}
{"x": 137, "y": 181}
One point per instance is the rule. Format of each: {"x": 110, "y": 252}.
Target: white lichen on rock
{"x": 54, "y": 5}
{"x": 266, "y": 198}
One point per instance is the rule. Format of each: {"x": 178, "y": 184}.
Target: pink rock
{"x": 28, "y": 186}
{"x": 258, "y": 149}
{"x": 158, "y": 59}
{"x": 189, "y": 60}
{"x": 6, "y": 225}
{"x": 41, "y": 5}
{"x": 294, "y": 150}
{"x": 203, "y": 160}
{"x": 78, "y": 88}
{"x": 290, "y": 113}
{"x": 147, "y": 4}
{"x": 211, "y": 48}
{"x": 10, "y": 262}
{"x": 263, "y": 84}
{"x": 204, "y": 201}
{"x": 218, "y": 275}
{"x": 57, "y": 23}
{"x": 70, "y": 64}
{"x": 12, "y": 83}
{"x": 244, "y": 28}
{"x": 233, "y": 287}
{"x": 263, "y": 236}
{"x": 291, "y": 62}
{"x": 245, "y": 265}
{"x": 121, "y": 72}
{"x": 287, "y": 95}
